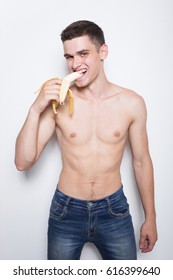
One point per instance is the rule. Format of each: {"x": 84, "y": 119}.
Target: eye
{"x": 83, "y": 54}
{"x": 68, "y": 57}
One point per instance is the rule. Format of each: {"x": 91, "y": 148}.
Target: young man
{"x": 89, "y": 204}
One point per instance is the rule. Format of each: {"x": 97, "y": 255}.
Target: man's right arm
{"x": 38, "y": 127}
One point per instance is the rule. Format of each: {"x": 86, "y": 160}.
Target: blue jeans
{"x": 105, "y": 222}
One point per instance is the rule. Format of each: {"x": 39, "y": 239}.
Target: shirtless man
{"x": 89, "y": 204}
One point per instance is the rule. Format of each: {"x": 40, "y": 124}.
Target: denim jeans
{"x": 105, "y": 222}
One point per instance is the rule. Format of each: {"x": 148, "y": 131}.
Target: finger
{"x": 51, "y": 91}
{"x": 147, "y": 245}
{"x": 142, "y": 242}
{"x": 54, "y": 97}
{"x": 54, "y": 88}
{"x": 54, "y": 81}
{"x": 48, "y": 98}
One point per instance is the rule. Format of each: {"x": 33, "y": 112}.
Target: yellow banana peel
{"x": 64, "y": 90}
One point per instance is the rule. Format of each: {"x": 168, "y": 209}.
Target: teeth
{"x": 83, "y": 71}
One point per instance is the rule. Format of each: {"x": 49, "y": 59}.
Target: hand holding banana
{"x": 64, "y": 90}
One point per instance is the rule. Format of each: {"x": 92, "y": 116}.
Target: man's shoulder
{"x": 127, "y": 95}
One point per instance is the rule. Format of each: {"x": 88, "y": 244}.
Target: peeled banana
{"x": 64, "y": 90}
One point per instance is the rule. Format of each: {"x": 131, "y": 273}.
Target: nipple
{"x": 117, "y": 133}
{"x": 73, "y": 134}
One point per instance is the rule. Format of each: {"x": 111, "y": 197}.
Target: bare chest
{"x": 100, "y": 121}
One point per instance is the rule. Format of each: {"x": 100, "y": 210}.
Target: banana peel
{"x": 65, "y": 90}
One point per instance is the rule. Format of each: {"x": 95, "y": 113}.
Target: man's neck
{"x": 97, "y": 88}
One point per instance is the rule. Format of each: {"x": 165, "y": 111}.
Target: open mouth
{"x": 82, "y": 71}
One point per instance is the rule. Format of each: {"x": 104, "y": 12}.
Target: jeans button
{"x": 90, "y": 204}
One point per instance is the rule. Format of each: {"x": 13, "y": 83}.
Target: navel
{"x": 116, "y": 133}
{"x": 73, "y": 134}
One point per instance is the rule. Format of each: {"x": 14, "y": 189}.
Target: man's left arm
{"x": 143, "y": 169}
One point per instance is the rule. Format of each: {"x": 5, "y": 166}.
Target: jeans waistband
{"x": 88, "y": 203}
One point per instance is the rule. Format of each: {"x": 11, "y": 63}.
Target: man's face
{"x": 82, "y": 54}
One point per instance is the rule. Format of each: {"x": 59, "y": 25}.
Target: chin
{"x": 81, "y": 84}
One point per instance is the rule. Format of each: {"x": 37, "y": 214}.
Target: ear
{"x": 103, "y": 51}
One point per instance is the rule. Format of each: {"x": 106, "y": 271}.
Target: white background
{"x": 139, "y": 34}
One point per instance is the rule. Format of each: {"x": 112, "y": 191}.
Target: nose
{"x": 76, "y": 62}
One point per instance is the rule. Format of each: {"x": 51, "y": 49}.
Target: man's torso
{"x": 92, "y": 143}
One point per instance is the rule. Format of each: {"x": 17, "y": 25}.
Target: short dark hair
{"x": 81, "y": 28}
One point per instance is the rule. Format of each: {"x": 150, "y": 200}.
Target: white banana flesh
{"x": 66, "y": 82}
{"x": 65, "y": 89}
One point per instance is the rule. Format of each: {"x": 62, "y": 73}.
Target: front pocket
{"x": 58, "y": 209}
{"x": 119, "y": 209}
{"x": 121, "y": 213}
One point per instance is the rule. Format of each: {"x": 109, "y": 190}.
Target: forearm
{"x": 26, "y": 143}
{"x": 145, "y": 183}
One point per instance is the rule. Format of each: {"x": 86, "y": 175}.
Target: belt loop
{"x": 67, "y": 201}
{"x": 108, "y": 201}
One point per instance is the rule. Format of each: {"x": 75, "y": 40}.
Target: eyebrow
{"x": 79, "y": 52}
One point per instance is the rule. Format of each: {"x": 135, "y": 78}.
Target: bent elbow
{"x": 21, "y": 166}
